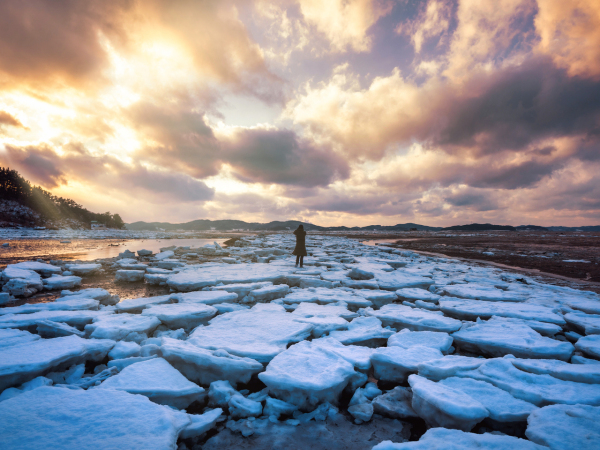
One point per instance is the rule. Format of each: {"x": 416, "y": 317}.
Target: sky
{"x": 334, "y": 112}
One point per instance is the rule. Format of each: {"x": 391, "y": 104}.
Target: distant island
{"x": 22, "y": 204}
{"x": 240, "y": 225}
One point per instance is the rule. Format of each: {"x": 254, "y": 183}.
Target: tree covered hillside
{"x": 49, "y": 209}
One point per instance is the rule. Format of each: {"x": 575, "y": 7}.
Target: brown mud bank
{"x": 571, "y": 259}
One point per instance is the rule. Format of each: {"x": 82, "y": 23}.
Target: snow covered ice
{"x": 53, "y": 417}
{"x": 256, "y": 347}
{"x": 157, "y": 380}
{"x": 499, "y": 338}
{"x": 306, "y": 375}
{"x": 447, "y": 439}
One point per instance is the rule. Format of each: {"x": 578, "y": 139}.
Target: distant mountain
{"x": 22, "y": 204}
{"x": 586, "y": 228}
{"x": 531, "y": 228}
{"x": 225, "y": 225}
{"x": 481, "y": 227}
{"x": 228, "y": 225}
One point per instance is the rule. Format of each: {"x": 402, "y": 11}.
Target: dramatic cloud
{"x": 349, "y": 112}
{"x": 280, "y": 157}
{"x": 183, "y": 140}
{"x": 44, "y": 165}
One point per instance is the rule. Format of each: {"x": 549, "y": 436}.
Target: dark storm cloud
{"x": 510, "y": 176}
{"x": 517, "y": 106}
{"x": 471, "y": 199}
{"x": 44, "y": 166}
{"x": 185, "y": 142}
{"x": 280, "y": 157}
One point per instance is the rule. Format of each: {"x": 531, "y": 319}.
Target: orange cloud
{"x": 570, "y": 34}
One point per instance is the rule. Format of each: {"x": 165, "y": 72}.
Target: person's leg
{"x": 297, "y": 260}
{"x": 302, "y": 261}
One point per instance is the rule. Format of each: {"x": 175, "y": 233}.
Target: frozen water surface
{"x": 278, "y": 349}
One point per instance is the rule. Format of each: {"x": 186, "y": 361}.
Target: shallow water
{"x": 145, "y": 244}
{"x": 379, "y": 241}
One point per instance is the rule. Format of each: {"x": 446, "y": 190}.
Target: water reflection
{"x": 144, "y": 244}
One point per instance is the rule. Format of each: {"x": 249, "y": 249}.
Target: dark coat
{"x": 300, "y": 249}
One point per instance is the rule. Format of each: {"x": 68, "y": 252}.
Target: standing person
{"x": 300, "y": 250}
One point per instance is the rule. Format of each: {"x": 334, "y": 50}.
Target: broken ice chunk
{"x": 412, "y": 294}
{"x": 84, "y": 419}
{"x": 502, "y": 406}
{"x": 565, "y": 426}
{"x": 441, "y": 406}
{"x": 472, "y": 309}
{"x": 446, "y": 439}
{"x": 201, "y": 423}
{"x": 48, "y": 329}
{"x": 137, "y": 305}
{"x": 357, "y": 355}
{"x": 499, "y": 338}
{"x": 589, "y": 345}
{"x": 397, "y": 363}
{"x": 433, "y": 339}
{"x": 396, "y": 404}
{"x": 400, "y": 316}
{"x": 541, "y": 390}
{"x": 256, "y": 334}
{"x": 61, "y": 282}
{"x": 21, "y": 363}
{"x": 366, "y": 331}
{"x": 158, "y": 380}
{"x": 581, "y": 373}
{"x": 306, "y": 375}
{"x": 482, "y": 292}
{"x": 378, "y": 298}
{"x": 277, "y": 408}
{"x": 10, "y": 337}
{"x": 122, "y": 327}
{"x": 182, "y": 315}
{"x": 268, "y": 293}
{"x": 204, "y": 366}
{"x": 586, "y": 323}
{"x": 448, "y": 366}
{"x": 206, "y": 297}
{"x": 242, "y": 407}
{"x": 124, "y": 349}
{"x": 75, "y": 304}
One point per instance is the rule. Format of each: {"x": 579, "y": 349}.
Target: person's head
{"x": 301, "y": 227}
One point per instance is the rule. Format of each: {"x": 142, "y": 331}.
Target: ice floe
{"x": 81, "y": 420}
{"x": 157, "y": 380}
{"x": 499, "y": 338}
{"x": 401, "y": 317}
{"x": 204, "y": 366}
{"x": 256, "y": 334}
{"x": 306, "y": 375}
